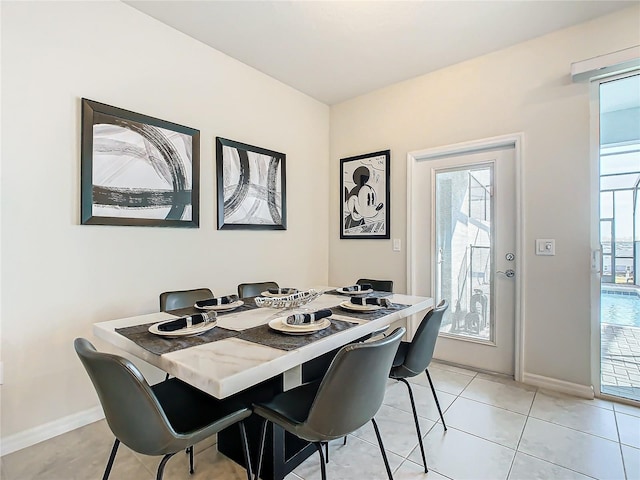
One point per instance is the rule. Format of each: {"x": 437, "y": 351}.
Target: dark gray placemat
{"x": 371, "y": 315}
{"x": 375, "y": 293}
{"x": 264, "y": 335}
{"x": 140, "y": 335}
{"x": 249, "y": 305}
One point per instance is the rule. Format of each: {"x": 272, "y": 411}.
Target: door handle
{"x": 509, "y": 273}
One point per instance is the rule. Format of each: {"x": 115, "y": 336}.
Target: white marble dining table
{"x": 225, "y": 367}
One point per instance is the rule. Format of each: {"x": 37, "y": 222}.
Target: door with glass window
{"x": 618, "y": 302}
{"x": 473, "y": 225}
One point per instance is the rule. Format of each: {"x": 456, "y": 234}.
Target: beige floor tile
{"x": 412, "y": 471}
{"x": 444, "y": 380}
{"x": 356, "y": 460}
{"x": 81, "y": 453}
{"x": 573, "y": 413}
{"x": 578, "y": 451}
{"x": 526, "y": 467}
{"x": 592, "y": 402}
{"x": 397, "y": 396}
{"x": 459, "y": 455}
{"x": 208, "y": 464}
{"x": 452, "y": 368}
{"x": 631, "y": 457}
{"x": 397, "y": 428}
{"x": 511, "y": 396}
{"x": 629, "y": 429}
{"x": 492, "y": 423}
{"x": 627, "y": 409}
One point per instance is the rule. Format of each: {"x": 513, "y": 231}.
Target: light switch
{"x": 396, "y": 244}
{"x": 545, "y": 246}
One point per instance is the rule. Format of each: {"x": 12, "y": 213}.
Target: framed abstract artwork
{"x": 251, "y": 187}
{"x": 137, "y": 170}
{"x": 365, "y": 196}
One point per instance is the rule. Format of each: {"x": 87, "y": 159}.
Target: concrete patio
{"x": 620, "y": 356}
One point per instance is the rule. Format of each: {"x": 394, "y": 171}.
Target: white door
{"x": 468, "y": 218}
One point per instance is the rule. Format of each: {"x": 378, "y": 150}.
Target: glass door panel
{"x": 464, "y": 247}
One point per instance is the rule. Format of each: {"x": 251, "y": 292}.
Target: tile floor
{"x": 498, "y": 429}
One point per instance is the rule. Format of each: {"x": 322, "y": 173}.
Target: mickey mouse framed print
{"x": 365, "y": 196}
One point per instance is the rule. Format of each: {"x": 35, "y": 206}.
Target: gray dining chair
{"x": 183, "y": 298}
{"x": 348, "y": 397}
{"x": 413, "y": 358}
{"x": 162, "y": 419}
{"x": 254, "y": 289}
{"x": 379, "y": 285}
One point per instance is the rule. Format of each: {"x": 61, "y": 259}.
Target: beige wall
{"x": 526, "y": 88}
{"x": 59, "y": 277}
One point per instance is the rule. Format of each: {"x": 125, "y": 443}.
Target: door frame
{"x": 596, "y": 247}
{"x": 513, "y": 140}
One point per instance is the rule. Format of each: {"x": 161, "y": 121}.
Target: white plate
{"x": 184, "y": 332}
{"x": 360, "y": 308}
{"x": 345, "y": 292}
{"x": 225, "y": 307}
{"x": 266, "y": 293}
{"x": 280, "y": 325}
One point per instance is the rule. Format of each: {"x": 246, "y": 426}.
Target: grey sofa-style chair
{"x": 348, "y": 397}
{"x": 183, "y": 298}
{"x": 379, "y": 285}
{"x": 254, "y": 289}
{"x": 414, "y": 357}
{"x": 155, "y": 420}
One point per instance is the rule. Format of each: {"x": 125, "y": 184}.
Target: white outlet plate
{"x": 396, "y": 244}
{"x": 545, "y": 246}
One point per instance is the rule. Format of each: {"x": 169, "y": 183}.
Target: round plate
{"x": 184, "y": 332}
{"x": 266, "y": 293}
{"x": 345, "y": 292}
{"x": 280, "y": 325}
{"x": 360, "y": 308}
{"x": 225, "y": 307}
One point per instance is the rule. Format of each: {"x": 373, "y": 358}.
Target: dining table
{"x": 247, "y": 354}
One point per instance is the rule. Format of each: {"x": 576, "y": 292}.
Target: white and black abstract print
{"x": 140, "y": 170}
{"x": 250, "y": 187}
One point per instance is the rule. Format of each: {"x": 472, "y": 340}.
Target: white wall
{"x": 526, "y": 88}
{"x": 60, "y": 277}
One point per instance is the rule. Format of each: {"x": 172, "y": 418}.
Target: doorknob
{"x": 509, "y": 273}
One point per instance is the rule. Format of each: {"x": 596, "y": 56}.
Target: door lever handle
{"x": 509, "y": 273}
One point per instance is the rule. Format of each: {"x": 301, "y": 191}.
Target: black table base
{"x": 283, "y": 451}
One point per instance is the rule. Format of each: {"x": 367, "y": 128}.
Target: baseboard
{"x": 583, "y": 391}
{"x": 38, "y": 434}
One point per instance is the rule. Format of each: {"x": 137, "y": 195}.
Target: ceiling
{"x": 336, "y": 50}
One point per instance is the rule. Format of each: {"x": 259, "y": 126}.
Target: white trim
{"x": 517, "y": 141}
{"x": 548, "y": 383}
{"x": 38, "y": 434}
{"x": 605, "y": 65}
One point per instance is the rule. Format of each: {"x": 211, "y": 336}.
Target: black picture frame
{"x": 137, "y": 170}
{"x": 251, "y": 187}
{"x": 364, "y": 181}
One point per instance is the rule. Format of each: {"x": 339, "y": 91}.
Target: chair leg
{"x": 263, "y": 436}
{"x": 345, "y": 440}
{"x": 435, "y": 397}
{"x": 190, "y": 451}
{"x": 163, "y": 462}
{"x": 323, "y": 468}
{"x": 112, "y": 457}
{"x": 415, "y": 419}
{"x": 384, "y": 454}
{"x": 245, "y": 449}
{"x": 326, "y": 448}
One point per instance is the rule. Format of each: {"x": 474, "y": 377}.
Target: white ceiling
{"x": 336, "y": 50}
